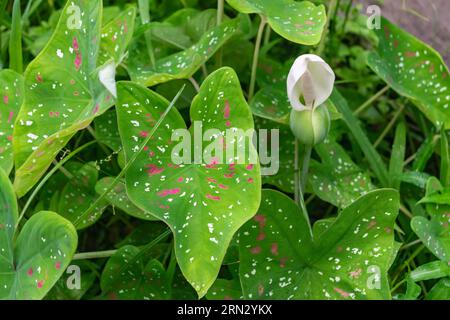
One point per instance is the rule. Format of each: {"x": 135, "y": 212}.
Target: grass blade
{"x": 374, "y": 158}
{"x": 15, "y": 40}
{"x": 397, "y": 156}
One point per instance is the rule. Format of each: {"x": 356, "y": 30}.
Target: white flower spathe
{"x": 312, "y": 79}
{"x": 107, "y": 76}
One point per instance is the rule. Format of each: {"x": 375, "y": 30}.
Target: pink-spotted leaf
{"x": 65, "y": 88}
{"x": 31, "y": 264}
{"x": 11, "y": 97}
{"x": 349, "y": 259}
{"x": 204, "y": 202}
{"x": 301, "y": 22}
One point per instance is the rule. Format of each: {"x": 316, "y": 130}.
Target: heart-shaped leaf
{"x": 301, "y": 22}
{"x": 205, "y": 202}
{"x": 435, "y": 233}
{"x": 184, "y": 64}
{"x": 116, "y": 35}
{"x": 31, "y": 264}
{"x": 414, "y": 70}
{"x": 128, "y": 277}
{"x": 11, "y": 96}
{"x": 350, "y": 260}
{"x": 64, "y": 90}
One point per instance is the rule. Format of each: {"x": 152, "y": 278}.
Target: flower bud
{"x": 310, "y": 82}
{"x": 310, "y": 127}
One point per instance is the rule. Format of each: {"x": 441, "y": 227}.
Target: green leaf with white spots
{"x": 62, "y": 291}
{"x": 204, "y": 201}
{"x": 11, "y": 97}
{"x": 78, "y": 194}
{"x": 106, "y": 130}
{"x": 349, "y": 260}
{"x": 116, "y": 35}
{"x": 434, "y": 233}
{"x": 8, "y": 219}
{"x": 65, "y": 89}
{"x": 273, "y": 104}
{"x": 414, "y": 70}
{"x": 127, "y": 276}
{"x": 118, "y": 197}
{"x": 32, "y": 263}
{"x": 184, "y": 64}
{"x": 301, "y": 22}
{"x": 283, "y": 156}
{"x": 223, "y": 289}
{"x": 336, "y": 179}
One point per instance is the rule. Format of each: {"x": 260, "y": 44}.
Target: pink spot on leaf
{"x": 165, "y": 193}
{"x": 226, "y": 111}
{"x": 153, "y": 170}
{"x": 215, "y": 198}
{"x": 274, "y": 249}
{"x": 255, "y": 250}
{"x": 342, "y": 292}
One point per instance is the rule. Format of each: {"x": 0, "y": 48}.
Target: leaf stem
{"x": 305, "y": 166}
{"x": 47, "y": 177}
{"x": 220, "y": 14}
{"x": 220, "y": 10}
{"x": 109, "y": 253}
{"x": 371, "y": 100}
{"x": 331, "y": 9}
{"x": 130, "y": 162}
{"x": 296, "y": 172}
{"x": 299, "y": 198}
{"x": 94, "y": 255}
{"x": 389, "y": 126}
{"x": 251, "y": 91}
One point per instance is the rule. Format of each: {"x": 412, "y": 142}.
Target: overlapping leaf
{"x": 78, "y": 195}
{"x": 31, "y": 264}
{"x": 184, "y": 64}
{"x": 435, "y": 233}
{"x": 350, "y": 259}
{"x": 63, "y": 91}
{"x": 11, "y": 97}
{"x": 301, "y": 22}
{"x": 414, "y": 70}
{"x": 204, "y": 202}
{"x": 127, "y": 276}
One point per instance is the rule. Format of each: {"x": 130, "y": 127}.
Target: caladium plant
{"x": 238, "y": 150}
